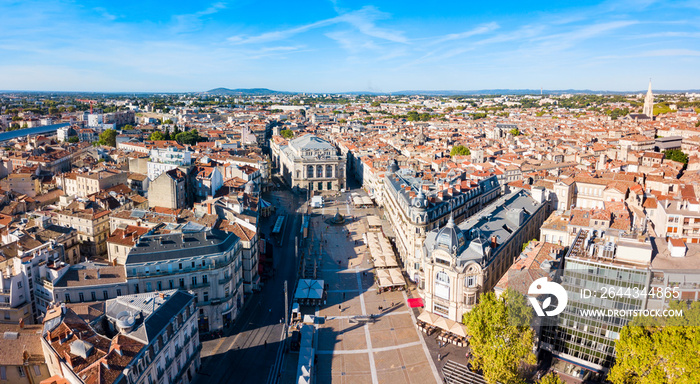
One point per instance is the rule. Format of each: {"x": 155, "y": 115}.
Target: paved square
{"x": 389, "y": 350}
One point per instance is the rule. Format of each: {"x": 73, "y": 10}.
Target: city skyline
{"x": 337, "y": 46}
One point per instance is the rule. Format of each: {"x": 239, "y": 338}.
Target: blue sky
{"x": 335, "y": 46}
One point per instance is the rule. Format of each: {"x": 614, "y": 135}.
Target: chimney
{"x": 440, "y": 194}
{"x": 209, "y": 208}
{"x": 494, "y": 242}
{"x": 68, "y": 359}
{"x": 98, "y": 273}
{"x": 161, "y": 295}
{"x": 21, "y": 323}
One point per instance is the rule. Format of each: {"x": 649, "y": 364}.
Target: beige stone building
{"x": 92, "y": 223}
{"x": 169, "y": 190}
{"x": 311, "y": 163}
{"x": 21, "y": 357}
{"x": 462, "y": 262}
{"x": 84, "y": 184}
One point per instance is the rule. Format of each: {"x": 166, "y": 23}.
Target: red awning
{"x": 415, "y": 303}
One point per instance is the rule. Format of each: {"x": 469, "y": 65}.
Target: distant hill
{"x": 244, "y": 92}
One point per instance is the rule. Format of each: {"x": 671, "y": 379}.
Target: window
{"x": 180, "y": 265}
{"x": 182, "y": 283}
{"x": 194, "y": 280}
{"x": 309, "y": 171}
{"x": 330, "y": 186}
{"x": 136, "y": 288}
{"x": 160, "y": 286}
{"x": 119, "y": 292}
{"x": 67, "y": 298}
{"x": 205, "y": 278}
{"x": 170, "y": 284}
{"x": 19, "y": 284}
{"x": 193, "y": 264}
{"x": 329, "y": 171}
{"x": 320, "y": 186}
{"x": 206, "y": 296}
{"x": 148, "y": 287}
{"x": 319, "y": 171}
{"x": 441, "y": 309}
{"x": 81, "y": 297}
{"x": 37, "y": 370}
{"x": 20, "y": 371}
{"x": 3, "y": 373}
{"x": 442, "y": 285}
{"x": 93, "y": 296}
{"x": 471, "y": 281}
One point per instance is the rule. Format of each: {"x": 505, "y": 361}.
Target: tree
{"x": 108, "y": 138}
{"x": 157, "y": 136}
{"x": 460, "y": 150}
{"x": 501, "y": 336}
{"x": 73, "y": 139}
{"x": 127, "y": 127}
{"x": 190, "y": 137}
{"x": 659, "y": 349}
{"x": 676, "y": 155}
{"x": 168, "y": 121}
{"x": 287, "y": 134}
{"x": 515, "y": 132}
{"x": 551, "y": 378}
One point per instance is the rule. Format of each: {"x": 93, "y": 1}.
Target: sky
{"x": 345, "y": 46}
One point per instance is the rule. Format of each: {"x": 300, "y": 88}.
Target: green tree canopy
{"x": 168, "y": 121}
{"x": 551, "y": 378}
{"x": 73, "y": 139}
{"x": 659, "y": 349}
{"x": 128, "y": 127}
{"x": 501, "y": 336}
{"x": 515, "y": 132}
{"x": 190, "y": 137}
{"x": 287, "y": 134}
{"x": 460, "y": 150}
{"x": 108, "y": 138}
{"x": 157, "y": 136}
{"x": 676, "y": 155}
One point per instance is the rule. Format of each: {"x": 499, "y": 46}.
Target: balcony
{"x": 199, "y": 285}
{"x": 224, "y": 280}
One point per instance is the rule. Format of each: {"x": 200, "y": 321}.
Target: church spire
{"x": 649, "y": 103}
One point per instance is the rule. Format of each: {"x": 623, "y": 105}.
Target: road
{"x": 248, "y": 352}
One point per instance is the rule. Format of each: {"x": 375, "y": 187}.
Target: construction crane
{"x": 91, "y": 102}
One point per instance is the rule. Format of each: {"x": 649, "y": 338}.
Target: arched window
{"x": 319, "y": 171}
{"x": 329, "y": 170}
{"x": 309, "y": 171}
{"x": 442, "y": 285}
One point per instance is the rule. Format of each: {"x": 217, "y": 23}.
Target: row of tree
{"x": 191, "y": 137}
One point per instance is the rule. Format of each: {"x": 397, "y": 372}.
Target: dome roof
{"x": 420, "y": 201}
{"x": 393, "y": 166}
{"x": 450, "y": 238}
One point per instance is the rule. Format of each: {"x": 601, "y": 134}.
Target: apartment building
{"x": 463, "y": 261}
{"x": 163, "y": 160}
{"x": 92, "y": 223}
{"x": 87, "y": 282}
{"x": 678, "y": 219}
{"x": 22, "y": 360}
{"x": 207, "y": 263}
{"x": 170, "y": 190}
{"x": 85, "y": 184}
{"x": 155, "y": 341}
{"x": 28, "y": 267}
{"x": 414, "y": 207}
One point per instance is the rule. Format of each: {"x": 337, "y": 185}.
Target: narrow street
{"x": 248, "y": 350}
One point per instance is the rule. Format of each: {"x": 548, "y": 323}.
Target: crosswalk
{"x": 456, "y": 373}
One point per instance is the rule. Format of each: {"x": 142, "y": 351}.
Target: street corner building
{"x": 133, "y": 339}
{"x": 207, "y": 263}
{"x": 466, "y": 260}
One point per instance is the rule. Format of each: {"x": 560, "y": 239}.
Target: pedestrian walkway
{"x": 388, "y": 350}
